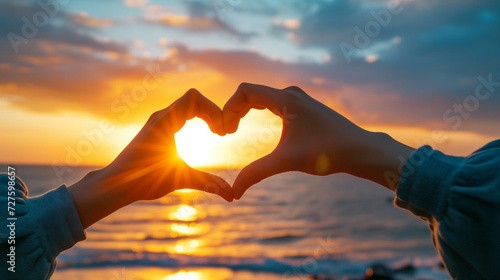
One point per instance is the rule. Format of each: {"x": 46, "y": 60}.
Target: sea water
{"x": 290, "y": 226}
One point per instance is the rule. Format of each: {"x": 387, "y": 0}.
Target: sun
{"x": 196, "y": 143}
{"x": 258, "y": 134}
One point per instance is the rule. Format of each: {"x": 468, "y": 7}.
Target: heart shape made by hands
{"x": 258, "y": 135}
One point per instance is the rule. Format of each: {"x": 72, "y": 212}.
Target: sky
{"x": 78, "y": 79}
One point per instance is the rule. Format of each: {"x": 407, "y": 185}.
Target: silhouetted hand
{"x": 315, "y": 139}
{"x": 151, "y": 159}
{"x": 150, "y": 167}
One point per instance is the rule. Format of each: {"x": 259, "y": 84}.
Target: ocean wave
{"x": 286, "y": 238}
{"x": 288, "y": 267}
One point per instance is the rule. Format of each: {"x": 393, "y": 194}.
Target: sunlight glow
{"x": 195, "y": 143}
{"x": 184, "y": 213}
{"x": 258, "y": 134}
{"x": 190, "y": 246}
{"x": 186, "y": 230}
{"x": 185, "y": 191}
{"x": 182, "y": 275}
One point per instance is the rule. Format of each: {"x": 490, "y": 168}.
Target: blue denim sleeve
{"x": 43, "y": 227}
{"x": 459, "y": 197}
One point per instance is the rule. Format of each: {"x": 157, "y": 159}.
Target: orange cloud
{"x": 174, "y": 20}
{"x": 84, "y": 19}
{"x": 188, "y": 22}
{"x": 43, "y": 60}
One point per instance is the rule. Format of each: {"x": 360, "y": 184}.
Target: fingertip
{"x": 226, "y": 191}
{"x": 217, "y": 130}
{"x": 244, "y": 181}
{"x": 239, "y": 190}
{"x": 213, "y": 184}
{"x": 227, "y": 194}
{"x": 217, "y": 123}
{"x": 232, "y": 126}
{"x": 231, "y": 131}
{"x": 230, "y": 121}
{"x": 220, "y": 131}
{"x": 238, "y": 197}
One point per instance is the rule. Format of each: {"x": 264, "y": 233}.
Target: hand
{"x": 151, "y": 159}
{"x": 150, "y": 167}
{"x": 315, "y": 139}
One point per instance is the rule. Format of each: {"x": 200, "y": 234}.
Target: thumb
{"x": 210, "y": 183}
{"x": 259, "y": 170}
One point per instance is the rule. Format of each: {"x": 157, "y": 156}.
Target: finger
{"x": 212, "y": 184}
{"x": 194, "y": 104}
{"x": 259, "y": 170}
{"x": 249, "y": 96}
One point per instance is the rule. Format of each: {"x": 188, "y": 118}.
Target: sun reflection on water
{"x": 188, "y": 246}
{"x": 182, "y": 275}
{"x": 184, "y": 213}
{"x": 182, "y": 229}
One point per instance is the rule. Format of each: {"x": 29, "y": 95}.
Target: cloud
{"x": 135, "y": 3}
{"x": 428, "y": 56}
{"x": 84, "y": 19}
{"x": 62, "y": 67}
{"x": 419, "y": 69}
{"x": 371, "y": 101}
{"x": 198, "y": 18}
{"x": 196, "y": 24}
{"x": 18, "y": 25}
{"x": 452, "y": 44}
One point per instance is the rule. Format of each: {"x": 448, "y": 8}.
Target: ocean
{"x": 290, "y": 226}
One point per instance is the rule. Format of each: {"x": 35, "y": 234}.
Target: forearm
{"x": 380, "y": 159}
{"x": 99, "y": 194}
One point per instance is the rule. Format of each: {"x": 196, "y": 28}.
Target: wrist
{"x": 99, "y": 194}
{"x": 116, "y": 184}
{"x": 381, "y": 159}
